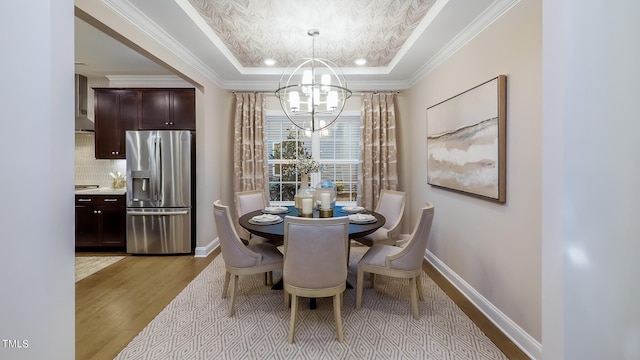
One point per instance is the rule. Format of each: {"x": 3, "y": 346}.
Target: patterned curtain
{"x": 378, "y": 151}
{"x": 249, "y": 154}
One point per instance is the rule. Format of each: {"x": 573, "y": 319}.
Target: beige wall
{"x": 494, "y": 249}
{"x": 213, "y": 139}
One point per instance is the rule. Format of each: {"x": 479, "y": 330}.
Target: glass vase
{"x": 327, "y": 201}
{"x": 305, "y": 191}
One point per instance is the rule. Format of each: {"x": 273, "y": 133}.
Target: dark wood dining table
{"x": 275, "y": 232}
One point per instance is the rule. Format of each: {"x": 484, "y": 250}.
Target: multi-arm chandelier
{"x": 313, "y": 93}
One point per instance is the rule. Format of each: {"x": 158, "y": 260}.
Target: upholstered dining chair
{"x": 401, "y": 262}
{"x": 240, "y": 259}
{"x": 315, "y": 263}
{"x": 391, "y": 205}
{"x": 248, "y": 201}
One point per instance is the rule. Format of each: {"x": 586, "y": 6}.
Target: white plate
{"x": 352, "y": 209}
{"x": 275, "y": 210}
{"x": 362, "y": 218}
{"x": 265, "y": 222}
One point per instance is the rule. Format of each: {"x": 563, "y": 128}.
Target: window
{"x": 337, "y": 148}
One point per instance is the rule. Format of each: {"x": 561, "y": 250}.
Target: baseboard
{"x": 518, "y": 336}
{"x": 204, "y": 251}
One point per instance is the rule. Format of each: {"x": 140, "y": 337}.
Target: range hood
{"x": 83, "y": 124}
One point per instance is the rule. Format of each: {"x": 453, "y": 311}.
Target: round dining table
{"x": 275, "y": 232}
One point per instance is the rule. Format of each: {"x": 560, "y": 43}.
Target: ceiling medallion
{"x": 313, "y": 93}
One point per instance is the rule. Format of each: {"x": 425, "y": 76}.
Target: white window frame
{"x": 315, "y": 153}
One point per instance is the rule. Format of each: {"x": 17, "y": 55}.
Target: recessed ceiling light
{"x": 360, "y": 61}
{"x": 269, "y": 62}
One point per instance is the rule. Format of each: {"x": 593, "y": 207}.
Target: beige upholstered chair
{"x": 391, "y": 205}
{"x": 248, "y": 201}
{"x": 240, "y": 259}
{"x": 315, "y": 263}
{"x": 402, "y": 262}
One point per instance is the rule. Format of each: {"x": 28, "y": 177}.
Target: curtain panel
{"x": 378, "y": 166}
{"x": 249, "y": 153}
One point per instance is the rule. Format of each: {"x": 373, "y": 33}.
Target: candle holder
{"x": 326, "y": 213}
{"x": 305, "y": 215}
{"x": 325, "y": 195}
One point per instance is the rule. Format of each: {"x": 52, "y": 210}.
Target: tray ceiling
{"x": 228, "y": 40}
{"x": 257, "y": 30}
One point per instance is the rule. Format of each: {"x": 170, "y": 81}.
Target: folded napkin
{"x": 275, "y": 209}
{"x": 352, "y": 209}
{"x": 265, "y": 218}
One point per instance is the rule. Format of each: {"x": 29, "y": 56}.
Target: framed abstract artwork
{"x": 466, "y": 141}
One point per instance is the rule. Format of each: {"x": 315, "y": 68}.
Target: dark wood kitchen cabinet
{"x": 167, "y": 109}
{"x": 116, "y": 111}
{"x": 100, "y": 221}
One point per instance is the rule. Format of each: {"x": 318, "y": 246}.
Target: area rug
{"x": 195, "y": 324}
{"x": 89, "y": 265}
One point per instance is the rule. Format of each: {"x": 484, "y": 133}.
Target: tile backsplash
{"x": 88, "y": 169}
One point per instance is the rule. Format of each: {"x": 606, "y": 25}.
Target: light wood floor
{"x": 115, "y": 304}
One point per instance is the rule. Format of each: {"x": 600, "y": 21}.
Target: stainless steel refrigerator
{"x": 160, "y": 192}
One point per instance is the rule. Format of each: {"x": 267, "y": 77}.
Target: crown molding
{"x": 378, "y": 85}
{"x": 355, "y": 86}
{"x": 481, "y": 23}
{"x": 131, "y": 14}
{"x": 168, "y": 81}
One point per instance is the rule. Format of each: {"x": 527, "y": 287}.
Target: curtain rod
{"x": 354, "y": 93}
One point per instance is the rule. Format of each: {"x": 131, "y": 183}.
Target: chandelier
{"x": 313, "y": 93}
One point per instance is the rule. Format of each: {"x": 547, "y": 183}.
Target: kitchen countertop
{"x": 101, "y": 191}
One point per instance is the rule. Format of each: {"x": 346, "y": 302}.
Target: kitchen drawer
{"x": 95, "y": 200}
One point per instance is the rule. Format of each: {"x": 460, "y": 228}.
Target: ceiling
{"x": 228, "y": 40}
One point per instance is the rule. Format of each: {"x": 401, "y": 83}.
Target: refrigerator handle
{"x": 160, "y": 170}
{"x": 168, "y": 213}
{"x": 154, "y": 170}
{"x": 155, "y": 184}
